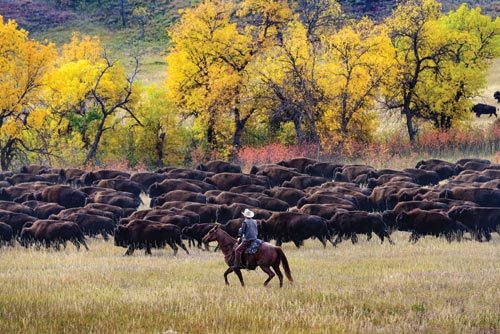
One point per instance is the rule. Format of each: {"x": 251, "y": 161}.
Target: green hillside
{"x": 56, "y": 20}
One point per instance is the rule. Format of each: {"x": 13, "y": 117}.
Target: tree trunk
{"x": 6, "y": 155}
{"x": 122, "y": 13}
{"x": 97, "y": 139}
{"x": 298, "y": 130}
{"x": 239, "y": 125}
{"x": 409, "y": 125}
{"x": 211, "y": 139}
{"x": 159, "y": 149}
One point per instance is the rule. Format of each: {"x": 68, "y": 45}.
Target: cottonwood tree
{"x": 89, "y": 93}
{"x": 441, "y": 61}
{"x": 445, "y": 95}
{"x": 356, "y": 64}
{"x": 413, "y": 30}
{"x": 208, "y": 68}
{"x": 23, "y": 65}
{"x": 288, "y": 75}
{"x": 160, "y": 140}
{"x": 318, "y": 16}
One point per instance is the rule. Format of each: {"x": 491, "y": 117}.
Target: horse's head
{"x": 212, "y": 234}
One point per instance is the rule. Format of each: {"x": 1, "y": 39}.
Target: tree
{"x": 288, "y": 75}
{"x": 474, "y": 37}
{"x": 123, "y": 12}
{"x": 441, "y": 61}
{"x": 418, "y": 52}
{"x": 355, "y": 65}
{"x": 318, "y": 16}
{"x": 207, "y": 73}
{"x": 161, "y": 140}
{"x": 23, "y": 65}
{"x": 88, "y": 91}
{"x": 141, "y": 14}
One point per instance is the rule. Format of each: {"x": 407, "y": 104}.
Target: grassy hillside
{"x": 48, "y": 19}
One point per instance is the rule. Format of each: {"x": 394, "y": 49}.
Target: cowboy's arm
{"x": 242, "y": 229}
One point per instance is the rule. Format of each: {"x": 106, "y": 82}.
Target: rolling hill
{"x": 56, "y": 20}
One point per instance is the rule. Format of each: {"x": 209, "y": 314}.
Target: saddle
{"x": 254, "y": 247}
{"x": 247, "y": 258}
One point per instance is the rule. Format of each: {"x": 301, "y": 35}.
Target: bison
{"x": 122, "y": 185}
{"x": 295, "y": 227}
{"x": 196, "y": 232}
{"x": 6, "y": 235}
{"x": 92, "y": 225}
{"x": 52, "y": 233}
{"x": 484, "y": 109}
{"x": 288, "y": 195}
{"x": 299, "y": 164}
{"x": 225, "y": 181}
{"x": 350, "y": 224}
{"x": 140, "y": 234}
{"x": 63, "y": 195}
{"x": 480, "y": 221}
{"x": 482, "y": 196}
{"x": 420, "y": 223}
{"x": 218, "y": 166}
{"x": 91, "y": 177}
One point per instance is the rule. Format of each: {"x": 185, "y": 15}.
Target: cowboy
{"x": 248, "y": 233}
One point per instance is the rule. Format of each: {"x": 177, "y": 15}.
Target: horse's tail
{"x": 284, "y": 260}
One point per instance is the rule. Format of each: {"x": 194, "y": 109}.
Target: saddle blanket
{"x": 254, "y": 247}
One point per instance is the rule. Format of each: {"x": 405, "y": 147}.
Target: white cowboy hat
{"x": 248, "y": 213}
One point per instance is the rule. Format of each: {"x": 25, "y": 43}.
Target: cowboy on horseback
{"x": 268, "y": 256}
{"x": 248, "y": 233}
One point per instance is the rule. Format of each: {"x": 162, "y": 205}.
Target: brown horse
{"x": 266, "y": 257}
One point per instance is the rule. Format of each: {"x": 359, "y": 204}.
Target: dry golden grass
{"x": 432, "y": 286}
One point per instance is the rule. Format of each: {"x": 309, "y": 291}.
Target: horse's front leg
{"x": 240, "y": 276}
{"x": 227, "y": 272}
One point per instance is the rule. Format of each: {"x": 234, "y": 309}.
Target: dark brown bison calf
{"x": 139, "y": 234}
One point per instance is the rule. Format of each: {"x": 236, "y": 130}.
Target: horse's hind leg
{"x": 268, "y": 271}
{"x": 276, "y": 268}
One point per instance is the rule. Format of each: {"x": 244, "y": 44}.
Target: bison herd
{"x": 293, "y": 200}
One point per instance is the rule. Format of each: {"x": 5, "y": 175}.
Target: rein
{"x": 226, "y": 242}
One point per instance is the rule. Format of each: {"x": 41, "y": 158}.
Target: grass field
{"x": 431, "y": 287}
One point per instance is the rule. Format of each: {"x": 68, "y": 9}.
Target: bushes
{"x": 393, "y": 150}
